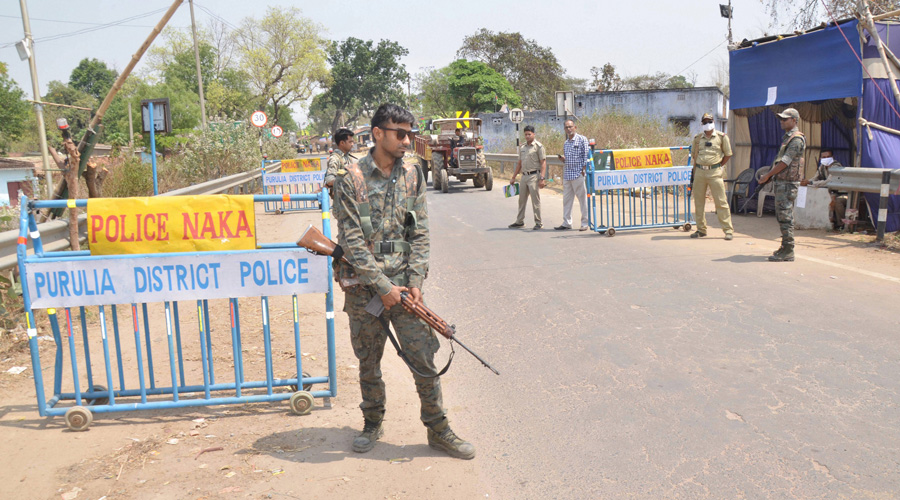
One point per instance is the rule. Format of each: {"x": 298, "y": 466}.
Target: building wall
{"x": 667, "y": 106}
{"x": 11, "y": 175}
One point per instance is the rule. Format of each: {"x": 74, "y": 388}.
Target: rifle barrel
{"x": 485, "y": 363}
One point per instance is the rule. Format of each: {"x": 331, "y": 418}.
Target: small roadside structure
{"x": 15, "y": 175}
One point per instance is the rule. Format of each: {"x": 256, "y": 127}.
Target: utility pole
{"x": 36, "y": 90}
{"x": 130, "y": 131}
{"x": 197, "y": 60}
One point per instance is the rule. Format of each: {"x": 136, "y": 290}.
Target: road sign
{"x": 277, "y": 131}
{"x": 162, "y": 116}
{"x": 259, "y": 119}
{"x": 516, "y": 115}
{"x": 565, "y": 103}
{"x": 462, "y": 123}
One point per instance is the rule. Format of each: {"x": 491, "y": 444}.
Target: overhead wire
{"x": 87, "y": 30}
{"x": 702, "y": 57}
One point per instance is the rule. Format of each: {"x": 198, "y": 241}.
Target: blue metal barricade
{"x": 78, "y": 290}
{"x": 638, "y": 198}
{"x": 292, "y": 181}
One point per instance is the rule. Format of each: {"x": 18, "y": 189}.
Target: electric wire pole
{"x": 38, "y": 108}
{"x": 197, "y": 61}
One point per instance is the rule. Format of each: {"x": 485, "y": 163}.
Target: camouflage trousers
{"x": 785, "y": 194}
{"x": 418, "y": 342}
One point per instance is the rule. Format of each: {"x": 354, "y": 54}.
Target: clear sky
{"x": 637, "y": 36}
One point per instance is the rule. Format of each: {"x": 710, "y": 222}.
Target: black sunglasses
{"x": 402, "y": 133}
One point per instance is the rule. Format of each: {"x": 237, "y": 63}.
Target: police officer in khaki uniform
{"x": 533, "y": 165}
{"x": 710, "y": 152}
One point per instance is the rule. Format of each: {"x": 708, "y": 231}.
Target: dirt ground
{"x": 256, "y": 450}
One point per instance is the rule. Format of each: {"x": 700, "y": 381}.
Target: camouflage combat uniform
{"x": 793, "y": 147}
{"x": 386, "y": 243}
{"x": 336, "y": 162}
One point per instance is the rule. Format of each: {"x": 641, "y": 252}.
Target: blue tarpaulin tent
{"x": 833, "y": 76}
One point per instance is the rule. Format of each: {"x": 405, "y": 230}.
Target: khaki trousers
{"x": 574, "y": 189}
{"x": 528, "y": 186}
{"x": 714, "y": 179}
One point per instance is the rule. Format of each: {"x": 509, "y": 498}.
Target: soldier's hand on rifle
{"x": 393, "y": 297}
{"x": 416, "y": 295}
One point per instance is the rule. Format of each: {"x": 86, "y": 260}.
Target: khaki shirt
{"x": 719, "y": 148}
{"x": 532, "y": 155}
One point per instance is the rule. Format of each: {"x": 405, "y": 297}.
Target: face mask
{"x": 827, "y": 161}
{"x": 709, "y": 127}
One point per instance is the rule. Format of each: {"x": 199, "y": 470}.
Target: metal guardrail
{"x": 55, "y": 233}
{"x": 864, "y": 180}
{"x": 512, "y": 158}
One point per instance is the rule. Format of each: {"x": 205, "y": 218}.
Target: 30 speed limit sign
{"x": 276, "y": 131}
{"x": 259, "y": 119}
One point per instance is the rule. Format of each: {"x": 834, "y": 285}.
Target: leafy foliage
{"x": 805, "y": 14}
{"x": 284, "y": 56}
{"x": 13, "y": 110}
{"x": 606, "y": 79}
{"x": 477, "y": 88}
{"x": 434, "y": 92}
{"x": 93, "y": 77}
{"x": 533, "y": 70}
{"x": 363, "y": 76}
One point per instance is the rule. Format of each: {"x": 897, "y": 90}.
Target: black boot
{"x": 366, "y": 440}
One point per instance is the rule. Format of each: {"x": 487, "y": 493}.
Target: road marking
{"x": 851, "y": 268}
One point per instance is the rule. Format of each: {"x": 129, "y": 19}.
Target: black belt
{"x": 529, "y": 173}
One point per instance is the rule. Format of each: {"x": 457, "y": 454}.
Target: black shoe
{"x": 516, "y": 224}
{"x": 366, "y": 440}
{"x": 537, "y": 226}
{"x": 562, "y": 228}
{"x": 698, "y": 234}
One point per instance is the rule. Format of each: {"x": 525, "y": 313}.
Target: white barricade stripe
{"x": 644, "y": 177}
{"x": 329, "y": 315}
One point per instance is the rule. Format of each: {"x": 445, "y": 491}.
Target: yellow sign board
{"x": 171, "y": 224}
{"x": 462, "y": 123}
{"x": 301, "y": 165}
{"x": 642, "y": 158}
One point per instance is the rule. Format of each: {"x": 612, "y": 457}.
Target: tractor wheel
{"x": 445, "y": 181}
{"x": 489, "y": 181}
{"x": 478, "y": 180}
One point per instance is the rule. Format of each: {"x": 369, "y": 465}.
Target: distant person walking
{"x": 533, "y": 165}
{"x": 787, "y": 170}
{"x": 711, "y": 150}
{"x": 576, "y": 153}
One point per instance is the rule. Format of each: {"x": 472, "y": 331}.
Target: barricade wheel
{"x": 611, "y": 232}
{"x": 98, "y": 401}
{"x": 79, "y": 418}
{"x": 306, "y": 387}
{"x": 302, "y": 403}
{"x": 686, "y": 226}
{"x": 278, "y": 211}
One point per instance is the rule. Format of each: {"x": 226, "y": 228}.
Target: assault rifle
{"x": 316, "y": 242}
{"x": 759, "y": 187}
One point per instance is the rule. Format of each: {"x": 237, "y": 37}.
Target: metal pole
{"x": 153, "y": 149}
{"x": 883, "y": 204}
{"x": 197, "y": 61}
{"x": 38, "y": 109}
{"x": 730, "y": 15}
{"x": 130, "y": 130}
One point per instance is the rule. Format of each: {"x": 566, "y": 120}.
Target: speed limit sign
{"x": 259, "y": 119}
{"x": 276, "y": 131}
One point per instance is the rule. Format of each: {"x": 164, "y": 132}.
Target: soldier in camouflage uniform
{"x": 384, "y": 233}
{"x": 787, "y": 171}
{"x": 339, "y": 158}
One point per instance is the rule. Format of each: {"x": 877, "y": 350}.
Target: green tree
{"x": 790, "y": 14}
{"x": 434, "y": 93}
{"x": 363, "y": 76}
{"x": 93, "y": 77}
{"x": 78, "y": 119}
{"x": 13, "y": 110}
{"x": 321, "y": 114}
{"x": 284, "y": 56}
{"x": 533, "y": 70}
{"x": 475, "y": 87}
{"x": 656, "y": 81}
{"x": 605, "y": 79}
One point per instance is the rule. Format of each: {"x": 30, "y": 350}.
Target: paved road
{"x": 649, "y": 365}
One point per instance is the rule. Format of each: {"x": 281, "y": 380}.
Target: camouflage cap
{"x": 789, "y": 113}
{"x": 707, "y": 116}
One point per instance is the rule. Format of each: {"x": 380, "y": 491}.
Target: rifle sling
{"x": 390, "y": 335}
